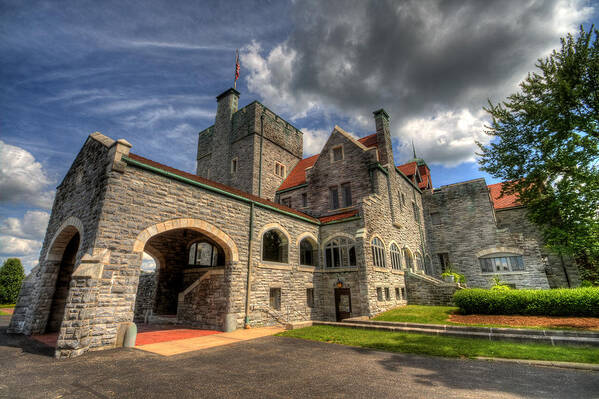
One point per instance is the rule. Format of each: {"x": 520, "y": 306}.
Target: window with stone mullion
{"x": 378, "y": 252}
{"x": 395, "y": 257}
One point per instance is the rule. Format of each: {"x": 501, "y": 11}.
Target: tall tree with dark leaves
{"x": 11, "y": 277}
{"x": 545, "y": 143}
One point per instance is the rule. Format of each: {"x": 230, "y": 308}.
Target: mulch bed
{"x": 587, "y": 323}
{"x": 7, "y": 310}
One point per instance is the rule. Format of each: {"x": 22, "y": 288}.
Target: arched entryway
{"x": 189, "y": 281}
{"x": 61, "y": 288}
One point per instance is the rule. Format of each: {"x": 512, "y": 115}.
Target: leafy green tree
{"x": 11, "y": 277}
{"x": 545, "y": 144}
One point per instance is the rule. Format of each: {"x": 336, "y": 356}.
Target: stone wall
{"x": 144, "y": 299}
{"x": 468, "y": 229}
{"x": 516, "y": 221}
{"x": 423, "y": 290}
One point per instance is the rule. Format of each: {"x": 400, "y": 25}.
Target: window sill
{"x": 274, "y": 265}
{"x": 339, "y": 210}
{"x": 302, "y": 268}
{"x": 381, "y": 269}
{"x": 395, "y": 271}
{"x": 397, "y": 225}
{"x": 337, "y": 269}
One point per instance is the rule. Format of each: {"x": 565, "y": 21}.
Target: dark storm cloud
{"x": 418, "y": 59}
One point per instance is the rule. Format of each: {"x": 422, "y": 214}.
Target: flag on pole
{"x": 237, "y": 67}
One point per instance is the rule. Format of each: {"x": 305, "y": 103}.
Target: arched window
{"x": 378, "y": 252}
{"x": 408, "y": 258}
{"x": 395, "y": 257}
{"x": 308, "y": 252}
{"x": 419, "y": 264}
{"x": 340, "y": 252}
{"x": 274, "y": 246}
{"x": 203, "y": 253}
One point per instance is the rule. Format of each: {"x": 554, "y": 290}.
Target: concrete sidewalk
{"x": 177, "y": 347}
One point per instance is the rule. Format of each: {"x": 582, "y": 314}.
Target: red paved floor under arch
{"x": 152, "y": 333}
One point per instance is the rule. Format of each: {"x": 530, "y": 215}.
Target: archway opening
{"x": 61, "y": 288}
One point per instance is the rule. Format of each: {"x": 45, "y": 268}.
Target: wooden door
{"x": 342, "y": 303}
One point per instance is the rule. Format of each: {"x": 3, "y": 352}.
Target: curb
{"x": 545, "y": 363}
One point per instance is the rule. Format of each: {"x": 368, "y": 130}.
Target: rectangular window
{"x": 379, "y": 294}
{"x": 399, "y": 196}
{"x": 337, "y": 153}
{"x": 304, "y": 200}
{"x": 234, "y": 165}
{"x": 333, "y": 197}
{"x": 275, "y": 298}
{"x": 403, "y": 293}
{"x": 279, "y": 169}
{"x": 508, "y": 263}
{"x": 397, "y": 294}
{"x": 286, "y": 201}
{"x": 435, "y": 218}
{"x": 310, "y": 297}
{"x": 443, "y": 260}
{"x": 403, "y": 199}
{"x": 346, "y": 193}
{"x": 387, "y": 294}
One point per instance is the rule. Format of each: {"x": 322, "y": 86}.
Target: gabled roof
{"x": 507, "y": 201}
{"x": 409, "y": 169}
{"x": 297, "y": 176}
{"x": 219, "y": 186}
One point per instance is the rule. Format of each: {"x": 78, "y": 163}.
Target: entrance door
{"x": 342, "y": 303}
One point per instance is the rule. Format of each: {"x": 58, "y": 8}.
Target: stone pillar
{"x": 383, "y": 137}
{"x": 221, "y": 139}
{"x": 75, "y": 333}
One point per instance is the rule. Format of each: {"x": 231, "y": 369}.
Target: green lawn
{"x": 419, "y": 314}
{"x": 442, "y": 346}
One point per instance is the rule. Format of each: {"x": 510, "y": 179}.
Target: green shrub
{"x": 554, "y": 302}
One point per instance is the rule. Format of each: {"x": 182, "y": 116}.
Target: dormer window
{"x": 280, "y": 169}
{"x": 337, "y": 153}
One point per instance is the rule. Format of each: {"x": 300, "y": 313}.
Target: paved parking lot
{"x": 274, "y": 367}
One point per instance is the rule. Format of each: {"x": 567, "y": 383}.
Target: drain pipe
{"x": 249, "y": 276}
{"x": 260, "y": 164}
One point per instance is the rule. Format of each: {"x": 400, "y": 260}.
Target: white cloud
{"x": 22, "y": 178}
{"x": 314, "y": 140}
{"x": 148, "y": 264}
{"x": 32, "y": 226}
{"x": 152, "y": 116}
{"x": 173, "y": 45}
{"x": 431, "y": 64}
{"x": 449, "y": 138}
{"x": 22, "y": 238}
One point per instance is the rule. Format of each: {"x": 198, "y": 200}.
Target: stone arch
{"x": 220, "y": 237}
{"x": 71, "y": 226}
{"x": 159, "y": 259}
{"x": 310, "y": 237}
{"x": 337, "y": 235}
{"x": 494, "y": 250}
{"x": 285, "y": 250}
{"x": 306, "y": 235}
{"x": 277, "y": 226}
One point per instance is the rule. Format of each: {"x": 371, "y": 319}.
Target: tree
{"x": 545, "y": 145}
{"x": 11, "y": 277}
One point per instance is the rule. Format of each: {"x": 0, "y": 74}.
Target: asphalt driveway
{"x": 274, "y": 367}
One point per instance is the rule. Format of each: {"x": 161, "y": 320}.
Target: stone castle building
{"x": 260, "y": 235}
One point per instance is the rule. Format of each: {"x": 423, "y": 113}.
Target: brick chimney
{"x": 383, "y": 137}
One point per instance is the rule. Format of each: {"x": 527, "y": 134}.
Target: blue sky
{"x": 149, "y": 71}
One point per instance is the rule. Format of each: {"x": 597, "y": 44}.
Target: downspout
{"x": 260, "y": 164}
{"x": 561, "y": 257}
{"x": 390, "y": 198}
{"x": 249, "y": 276}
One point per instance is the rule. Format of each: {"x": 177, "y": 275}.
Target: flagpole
{"x": 235, "y": 79}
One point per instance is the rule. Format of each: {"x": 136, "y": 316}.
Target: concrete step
{"x": 493, "y": 330}
{"x": 163, "y": 319}
{"x": 431, "y": 329}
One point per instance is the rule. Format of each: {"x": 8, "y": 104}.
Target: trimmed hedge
{"x": 554, "y": 302}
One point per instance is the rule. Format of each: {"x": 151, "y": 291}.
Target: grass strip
{"x": 442, "y": 346}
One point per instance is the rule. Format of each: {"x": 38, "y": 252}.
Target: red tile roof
{"x": 298, "y": 174}
{"x": 408, "y": 169}
{"x": 369, "y": 141}
{"x": 339, "y": 216}
{"x": 507, "y": 201}
{"x": 219, "y": 186}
